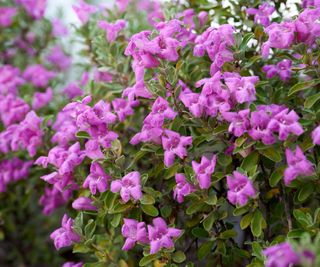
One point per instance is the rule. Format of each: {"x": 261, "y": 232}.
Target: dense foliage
{"x": 185, "y": 133}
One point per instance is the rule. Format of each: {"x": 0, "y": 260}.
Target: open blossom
{"x": 241, "y": 88}
{"x": 285, "y": 122}
{"x": 112, "y": 29}
{"x": 12, "y": 109}
{"x": 122, "y": 4}
{"x": 38, "y": 75}
{"x": 204, "y": 170}
{"x": 73, "y": 90}
{"x": 174, "y": 145}
{"x": 161, "y": 108}
{"x": 83, "y": 203}
{"x": 129, "y": 186}
{"x": 134, "y": 232}
{"x": 240, "y": 189}
{"x": 65, "y": 129}
{"x": 183, "y": 187}
{"x": 310, "y": 3}
{"x": 72, "y": 264}
{"x": 84, "y": 11}
{"x": 102, "y": 76}
{"x": 54, "y": 198}
{"x": 10, "y": 80}
{"x": 7, "y": 14}
{"x": 239, "y": 121}
{"x": 281, "y": 255}
{"x": 280, "y": 36}
{"x": 65, "y": 236}
{"x": 282, "y": 69}
{"x": 316, "y": 136}
{"x": 58, "y": 58}
{"x": 97, "y": 179}
{"x": 261, "y": 14}
{"x": 58, "y": 28}
{"x": 123, "y": 107}
{"x": 35, "y": 8}
{"x": 297, "y": 165}
{"x": 42, "y": 99}
{"x": 160, "y": 235}
{"x": 13, "y": 170}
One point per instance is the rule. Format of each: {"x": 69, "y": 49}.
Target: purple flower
{"x": 161, "y": 108}
{"x": 259, "y": 130}
{"x": 112, "y": 29}
{"x": 65, "y": 128}
{"x": 83, "y": 203}
{"x": 72, "y": 90}
{"x": 204, "y": 170}
{"x": 123, "y": 108}
{"x": 174, "y": 144}
{"x": 239, "y": 121}
{"x": 280, "y": 36}
{"x": 160, "y": 235}
{"x": 183, "y": 188}
{"x": 38, "y": 75}
{"x": 261, "y": 14}
{"x": 35, "y": 8}
{"x": 191, "y": 101}
{"x": 42, "y": 99}
{"x": 10, "y": 80}
{"x": 58, "y": 28}
{"x": 241, "y": 88}
{"x": 12, "y": 109}
{"x": 240, "y": 189}
{"x": 84, "y": 11}
{"x": 122, "y": 4}
{"x": 297, "y": 165}
{"x": 129, "y": 186}
{"x": 203, "y": 18}
{"x": 134, "y": 232}
{"x": 97, "y": 179}
{"x": 58, "y": 58}
{"x": 284, "y": 123}
{"x": 281, "y": 255}
{"x": 283, "y": 69}
{"x": 102, "y": 76}
{"x": 64, "y": 236}
{"x": 72, "y": 264}
{"x": 316, "y": 136}
{"x": 310, "y": 3}
{"x": 7, "y": 14}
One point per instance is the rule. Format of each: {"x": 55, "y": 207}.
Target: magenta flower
{"x": 282, "y": 69}
{"x": 58, "y": 28}
{"x": 240, "y": 189}
{"x": 183, "y": 188}
{"x": 261, "y": 14}
{"x": 97, "y": 179}
{"x": 297, "y": 165}
{"x": 174, "y": 144}
{"x": 129, "y": 186}
{"x": 84, "y": 11}
{"x": 191, "y": 101}
{"x": 134, "y": 232}
{"x": 58, "y": 58}
{"x": 83, "y": 203}
{"x": 203, "y": 17}
{"x": 64, "y": 236}
{"x": 123, "y": 108}
{"x": 42, "y": 99}
{"x": 160, "y": 235}
{"x": 122, "y": 4}
{"x": 35, "y": 8}
{"x": 204, "y": 170}
{"x": 259, "y": 130}
{"x": 102, "y": 76}
{"x": 281, "y": 255}
{"x": 73, "y": 90}
{"x": 310, "y": 3}
{"x": 161, "y": 108}
{"x": 38, "y": 75}
{"x": 10, "y": 80}
{"x": 280, "y": 36}
{"x": 72, "y": 264}
{"x": 316, "y": 136}
{"x": 285, "y": 123}
{"x": 307, "y": 26}
{"x": 112, "y": 29}
{"x": 12, "y": 109}
{"x": 7, "y": 14}
{"x": 239, "y": 121}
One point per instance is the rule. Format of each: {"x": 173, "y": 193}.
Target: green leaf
{"x": 250, "y": 162}
{"x": 245, "y": 40}
{"x": 83, "y": 135}
{"x": 166, "y": 211}
{"x": 208, "y": 222}
{"x": 257, "y": 250}
{"x": 89, "y": 229}
{"x": 304, "y": 219}
{"x": 245, "y": 221}
{"x": 295, "y": 233}
{"x": 199, "y": 232}
{"x": 194, "y": 207}
{"x": 305, "y": 191}
{"x": 150, "y": 210}
{"x": 302, "y": 86}
{"x": 231, "y": 233}
{"x": 179, "y": 257}
{"x": 148, "y": 259}
{"x": 276, "y": 176}
{"x": 311, "y": 100}
{"x": 257, "y": 223}
{"x": 80, "y": 248}
{"x": 240, "y": 210}
{"x": 116, "y": 220}
{"x": 119, "y": 208}
{"x": 271, "y": 153}
{"x": 204, "y": 250}
{"x": 212, "y": 200}
{"x": 147, "y": 199}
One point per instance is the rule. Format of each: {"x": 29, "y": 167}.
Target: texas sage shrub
{"x": 191, "y": 138}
